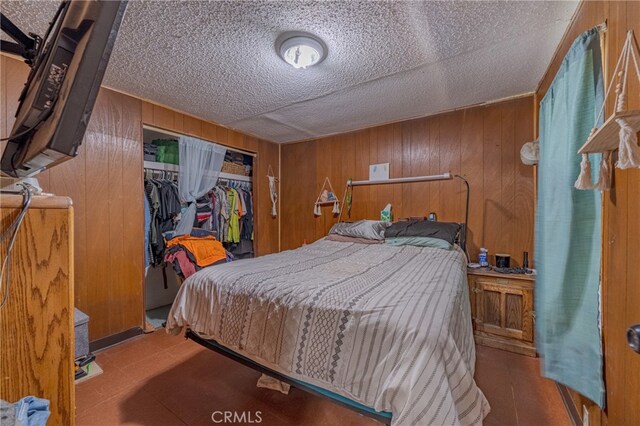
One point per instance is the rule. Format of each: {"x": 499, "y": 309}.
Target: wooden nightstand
{"x": 502, "y": 310}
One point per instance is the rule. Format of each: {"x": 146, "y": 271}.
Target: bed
{"x": 387, "y": 327}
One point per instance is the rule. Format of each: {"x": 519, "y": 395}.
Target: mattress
{"x": 388, "y": 327}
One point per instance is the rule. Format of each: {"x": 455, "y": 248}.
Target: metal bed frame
{"x": 383, "y": 417}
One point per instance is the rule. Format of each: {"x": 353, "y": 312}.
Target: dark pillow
{"x": 447, "y": 231}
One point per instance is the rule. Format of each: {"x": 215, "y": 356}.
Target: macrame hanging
{"x": 327, "y": 196}
{"x": 272, "y": 191}
{"x": 625, "y": 123}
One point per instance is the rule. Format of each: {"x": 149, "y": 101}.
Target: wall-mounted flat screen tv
{"x": 67, "y": 67}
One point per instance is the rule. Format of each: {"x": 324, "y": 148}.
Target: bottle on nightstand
{"x": 483, "y": 257}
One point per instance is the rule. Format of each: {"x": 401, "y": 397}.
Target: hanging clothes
{"x": 165, "y": 207}
{"x": 234, "y": 220}
{"x": 246, "y": 232}
{"x": 204, "y": 211}
{"x": 224, "y": 212}
{"x": 147, "y": 231}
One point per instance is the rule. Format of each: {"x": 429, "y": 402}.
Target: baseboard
{"x": 114, "y": 338}
{"x": 572, "y": 410}
{"x": 505, "y": 344}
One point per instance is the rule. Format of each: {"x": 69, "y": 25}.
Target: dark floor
{"x": 158, "y": 379}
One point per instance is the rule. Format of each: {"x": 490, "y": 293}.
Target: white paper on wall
{"x": 379, "y": 171}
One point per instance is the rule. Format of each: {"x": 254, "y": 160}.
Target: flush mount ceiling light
{"x": 301, "y": 50}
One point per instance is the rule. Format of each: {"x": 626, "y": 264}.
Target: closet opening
{"x": 224, "y": 214}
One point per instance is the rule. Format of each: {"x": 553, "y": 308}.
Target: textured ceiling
{"x": 387, "y": 61}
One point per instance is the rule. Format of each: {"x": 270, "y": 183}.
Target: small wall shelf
{"x": 606, "y": 137}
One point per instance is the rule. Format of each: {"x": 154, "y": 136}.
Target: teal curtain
{"x": 568, "y": 226}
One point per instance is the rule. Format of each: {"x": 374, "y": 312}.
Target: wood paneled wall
{"x": 105, "y": 182}
{"x": 621, "y": 227}
{"x": 481, "y": 143}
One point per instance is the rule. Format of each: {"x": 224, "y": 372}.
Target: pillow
{"x": 344, "y": 239}
{"x": 447, "y": 231}
{"x": 368, "y": 229}
{"x": 419, "y": 242}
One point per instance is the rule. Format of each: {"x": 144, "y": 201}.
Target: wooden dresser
{"x": 37, "y": 345}
{"x": 502, "y": 310}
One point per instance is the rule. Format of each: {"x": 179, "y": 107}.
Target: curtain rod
{"x": 170, "y": 133}
{"x": 444, "y": 176}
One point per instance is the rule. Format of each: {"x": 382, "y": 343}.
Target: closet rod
{"x": 170, "y": 133}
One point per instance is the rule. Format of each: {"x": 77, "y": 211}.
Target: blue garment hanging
{"x": 568, "y": 226}
{"x": 147, "y": 231}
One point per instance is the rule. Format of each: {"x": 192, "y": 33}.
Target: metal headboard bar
{"x": 466, "y": 214}
{"x": 443, "y": 176}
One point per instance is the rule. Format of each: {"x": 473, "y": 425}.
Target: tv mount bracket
{"x": 26, "y": 46}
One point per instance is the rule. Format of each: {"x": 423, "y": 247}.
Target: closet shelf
{"x": 175, "y": 168}
{"x": 161, "y": 166}
{"x": 606, "y": 137}
{"x": 326, "y": 203}
{"x": 235, "y": 177}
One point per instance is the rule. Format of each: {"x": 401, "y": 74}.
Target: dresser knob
{"x": 633, "y": 337}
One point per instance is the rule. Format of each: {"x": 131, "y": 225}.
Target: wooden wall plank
{"x": 163, "y": 117}
{"x": 192, "y": 126}
{"x": 98, "y": 249}
{"x": 267, "y": 226}
{"x": 361, "y": 141}
{"x": 209, "y": 132}
{"x": 14, "y": 76}
{"x": 474, "y": 142}
{"x": 298, "y": 197}
{"x": 524, "y": 182}
{"x": 614, "y": 254}
{"x": 632, "y": 360}
{"x": 434, "y": 165}
{"x": 115, "y": 206}
{"x": 133, "y": 212}
{"x": 473, "y": 170}
{"x": 147, "y": 112}
{"x": 507, "y": 176}
{"x": 322, "y": 170}
{"x": 450, "y": 158}
{"x": 493, "y": 216}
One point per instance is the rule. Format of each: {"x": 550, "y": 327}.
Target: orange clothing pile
{"x": 206, "y": 250}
